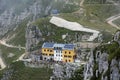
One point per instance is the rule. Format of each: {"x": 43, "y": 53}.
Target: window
{"x": 60, "y": 48}
{"x": 51, "y": 55}
{"x": 69, "y": 60}
{"x": 48, "y": 50}
{"x": 51, "y": 51}
{"x": 45, "y": 58}
{"x": 69, "y": 52}
{"x": 65, "y": 55}
{"x": 44, "y": 54}
{"x": 58, "y": 51}
{"x": 65, "y": 52}
{"x": 44, "y": 49}
{"x": 69, "y": 56}
{"x": 66, "y": 60}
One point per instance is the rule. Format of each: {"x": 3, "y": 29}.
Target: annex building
{"x": 58, "y": 52}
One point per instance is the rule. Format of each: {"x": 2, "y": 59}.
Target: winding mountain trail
{"x": 2, "y": 63}
{"x": 81, "y": 3}
{"x": 3, "y": 42}
{"x": 113, "y": 18}
{"x": 21, "y": 57}
{"x": 81, "y": 7}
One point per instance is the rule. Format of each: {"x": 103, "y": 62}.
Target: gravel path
{"x": 113, "y": 18}
{"x": 2, "y": 64}
{"x": 8, "y": 45}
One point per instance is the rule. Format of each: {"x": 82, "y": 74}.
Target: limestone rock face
{"x": 114, "y": 70}
{"x": 103, "y": 63}
{"x": 9, "y": 18}
{"x": 33, "y": 37}
{"x": 101, "y": 66}
{"x": 6, "y": 18}
{"x": 101, "y": 60}
{"x": 117, "y": 37}
{"x": 65, "y": 71}
{"x": 58, "y": 71}
{"x": 88, "y": 68}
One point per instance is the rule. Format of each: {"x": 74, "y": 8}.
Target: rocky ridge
{"x": 11, "y": 17}
{"x": 8, "y": 18}
{"x": 103, "y": 64}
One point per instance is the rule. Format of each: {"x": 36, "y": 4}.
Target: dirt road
{"x": 113, "y": 18}
{"x": 8, "y": 45}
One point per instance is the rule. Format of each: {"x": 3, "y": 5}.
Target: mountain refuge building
{"x": 58, "y": 52}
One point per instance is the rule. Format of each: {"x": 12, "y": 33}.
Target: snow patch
{"x": 64, "y": 36}
{"x": 74, "y": 26}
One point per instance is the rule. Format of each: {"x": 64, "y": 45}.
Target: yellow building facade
{"x": 47, "y": 51}
{"x": 68, "y": 55}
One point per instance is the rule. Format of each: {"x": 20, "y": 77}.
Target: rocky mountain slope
{"x": 12, "y": 14}
{"x": 104, "y": 61}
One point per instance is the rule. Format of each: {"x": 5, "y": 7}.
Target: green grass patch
{"x": 25, "y": 73}
{"x": 1, "y": 74}
{"x": 101, "y": 11}
{"x": 117, "y": 22}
